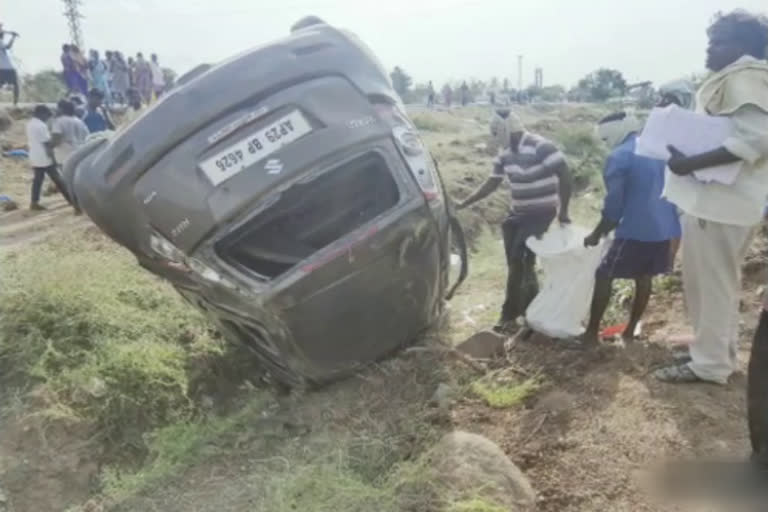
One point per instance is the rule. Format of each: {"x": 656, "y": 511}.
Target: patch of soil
{"x": 46, "y": 463}
{"x": 601, "y": 416}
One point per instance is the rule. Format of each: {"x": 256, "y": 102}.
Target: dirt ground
{"x": 583, "y": 439}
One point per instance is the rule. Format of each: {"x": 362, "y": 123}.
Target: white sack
{"x": 569, "y": 269}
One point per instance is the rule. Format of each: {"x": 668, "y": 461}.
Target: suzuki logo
{"x": 273, "y": 166}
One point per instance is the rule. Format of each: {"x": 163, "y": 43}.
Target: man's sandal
{"x": 677, "y": 374}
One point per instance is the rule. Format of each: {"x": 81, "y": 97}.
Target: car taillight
{"x": 413, "y": 150}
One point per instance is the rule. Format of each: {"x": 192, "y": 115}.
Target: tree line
{"x": 598, "y": 86}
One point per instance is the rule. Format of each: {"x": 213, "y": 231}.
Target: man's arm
{"x": 49, "y": 150}
{"x": 748, "y": 143}
{"x": 613, "y": 204}
{"x": 486, "y": 189}
{"x": 683, "y": 165}
{"x": 565, "y": 190}
{"x": 107, "y": 118}
{"x": 13, "y": 39}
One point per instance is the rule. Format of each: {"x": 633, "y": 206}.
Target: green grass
{"x": 477, "y": 304}
{"x": 441, "y": 122}
{"x": 113, "y": 345}
{"x": 504, "y": 393}
{"x": 177, "y": 446}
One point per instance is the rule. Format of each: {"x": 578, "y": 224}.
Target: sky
{"x": 444, "y": 40}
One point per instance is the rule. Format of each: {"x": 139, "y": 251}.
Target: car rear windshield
{"x": 312, "y": 215}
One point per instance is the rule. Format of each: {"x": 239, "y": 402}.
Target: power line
{"x": 72, "y": 13}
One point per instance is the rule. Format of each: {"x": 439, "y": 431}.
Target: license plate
{"x": 255, "y": 147}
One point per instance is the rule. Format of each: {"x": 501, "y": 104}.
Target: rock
{"x": 483, "y": 345}
{"x": 443, "y": 397}
{"x": 9, "y": 205}
{"x": 468, "y": 466}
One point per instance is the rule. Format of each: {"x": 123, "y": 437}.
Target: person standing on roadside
{"x": 8, "y": 74}
{"x": 158, "y": 80}
{"x": 67, "y": 68}
{"x": 79, "y": 71}
{"x": 100, "y": 75}
{"x": 120, "y": 79}
{"x": 68, "y": 131}
{"x": 97, "y": 118}
{"x": 719, "y": 220}
{"x": 131, "y": 73}
{"x": 447, "y": 95}
{"x": 540, "y": 182}
{"x": 430, "y": 95}
{"x": 143, "y": 77}
{"x": 41, "y": 156}
{"x": 464, "y": 94}
{"x": 644, "y": 222}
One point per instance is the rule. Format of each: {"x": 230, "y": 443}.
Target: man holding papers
{"x": 722, "y": 203}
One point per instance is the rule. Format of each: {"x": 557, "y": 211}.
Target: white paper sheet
{"x": 692, "y": 134}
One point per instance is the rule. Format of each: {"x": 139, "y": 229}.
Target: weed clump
{"x": 503, "y": 393}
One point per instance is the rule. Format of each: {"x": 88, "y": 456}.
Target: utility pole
{"x": 72, "y": 13}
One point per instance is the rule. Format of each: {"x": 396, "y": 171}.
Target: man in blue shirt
{"x": 96, "y": 117}
{"x": 644, "y": 223}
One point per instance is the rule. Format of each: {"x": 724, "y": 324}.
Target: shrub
{"x": 501, "y": 392}
{"x": 45, "y": 86}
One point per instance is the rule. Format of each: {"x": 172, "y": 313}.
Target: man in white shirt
{"x": 69, "y": 131}
{"x": 41, "y": 156}
{"x": 8, "y": 73}
{"x": 719, "y": 220}
{"x": 158, "y": 80}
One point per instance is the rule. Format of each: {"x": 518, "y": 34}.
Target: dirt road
{"x": 22, "y": 226}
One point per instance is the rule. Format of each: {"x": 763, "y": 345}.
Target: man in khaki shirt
{"x": 718, "y": 220}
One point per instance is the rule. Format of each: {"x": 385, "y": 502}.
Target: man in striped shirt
{"x": 539, "y": 182}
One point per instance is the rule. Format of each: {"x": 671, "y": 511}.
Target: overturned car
{"x": 286, "y": 194}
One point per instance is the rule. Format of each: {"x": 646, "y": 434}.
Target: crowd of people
{"x": 96, "y": 88}
{"x": 116, "y": 77}
{"x": 53, "y": 136}
{"x": 653, "y": 206}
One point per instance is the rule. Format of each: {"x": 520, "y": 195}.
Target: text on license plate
{"x": 256, "y": 146}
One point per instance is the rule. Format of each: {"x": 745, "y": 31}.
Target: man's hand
{"x": 460, "y": 205}
{"x": 678, "y": 162}
{"x": 564, "y": 218}
{"x": 592, "y": 240}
